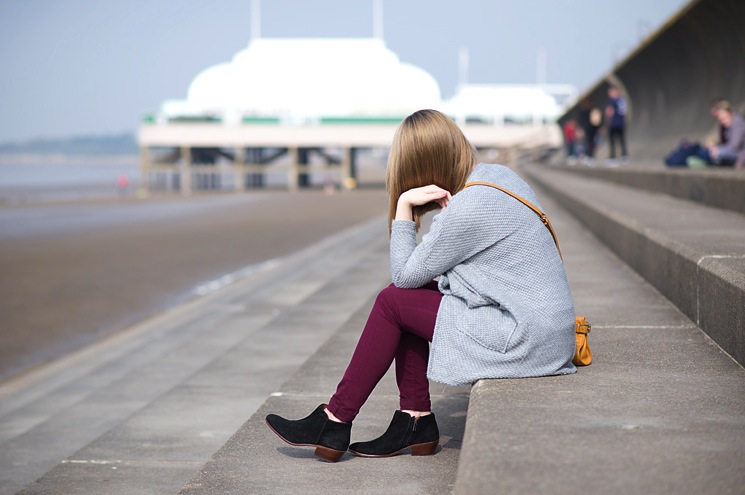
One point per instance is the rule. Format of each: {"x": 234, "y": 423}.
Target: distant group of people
{"x": 582, "y": 136}
{"x": 727, "y": 148}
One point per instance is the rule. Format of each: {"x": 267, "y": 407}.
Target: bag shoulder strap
{"x": 527, "y": 203}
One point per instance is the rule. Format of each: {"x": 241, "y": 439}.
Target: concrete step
{"x": 143, "y": 411}
{"x": 693, "y": 254}
{"x": 255, "y": 460}
{"x": 720, "y": 187}
{"x": 659, "y": 411}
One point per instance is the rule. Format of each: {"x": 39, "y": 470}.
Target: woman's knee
{"x": 388, "y": 301}
{"x": 386, "y": 296}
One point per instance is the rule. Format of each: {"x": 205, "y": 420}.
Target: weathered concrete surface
{"x": 255, "y": 460}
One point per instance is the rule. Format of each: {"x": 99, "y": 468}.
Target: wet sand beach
{"x": 76, "y": 272}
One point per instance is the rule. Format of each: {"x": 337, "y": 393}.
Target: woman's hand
{"x": 420, "y": 196}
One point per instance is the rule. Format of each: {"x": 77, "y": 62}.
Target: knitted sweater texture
{"x": 506, "y": 310}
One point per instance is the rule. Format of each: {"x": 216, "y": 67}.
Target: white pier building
{"x": 306, "y": 108}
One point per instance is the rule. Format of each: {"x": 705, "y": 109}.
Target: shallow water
{"x": 41, "y": 179}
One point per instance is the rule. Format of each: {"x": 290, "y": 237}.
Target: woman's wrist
{"x": 403, "y": 209}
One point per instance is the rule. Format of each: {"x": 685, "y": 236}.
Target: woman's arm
{"x": 420, "y": 196}
{"x": 403, "y": 234}
{"x": 456, "y": 234}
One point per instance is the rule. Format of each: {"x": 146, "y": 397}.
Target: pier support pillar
{"x": 238, "y": 161}
{"x": 303, "y": 159}
{"x": 145, "y": 162}
{"x": 255, "y": 158}
{"x": 185, "y": 183}
{"x": 293, "y": 175}
{"x": 349, "y": 169}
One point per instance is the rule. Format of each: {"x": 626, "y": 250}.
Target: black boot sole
{"x": 426, "y": 448}
{"x": 325, "y": 453}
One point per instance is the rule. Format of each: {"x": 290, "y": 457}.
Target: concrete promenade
{"x": 176, "y": 404}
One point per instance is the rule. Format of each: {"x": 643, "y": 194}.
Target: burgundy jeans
{"x": 400, "y": 327}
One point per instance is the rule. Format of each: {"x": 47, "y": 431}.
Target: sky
{"x": 95, "y": 67}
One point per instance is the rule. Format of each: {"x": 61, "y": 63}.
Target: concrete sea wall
{"x": 671, "y": 78}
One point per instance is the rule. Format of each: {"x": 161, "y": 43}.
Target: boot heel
{"x": 328, "y": 454}
{"x": 427, "y": 448}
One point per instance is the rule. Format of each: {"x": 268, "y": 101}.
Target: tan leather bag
{"x": 582, "y": 354}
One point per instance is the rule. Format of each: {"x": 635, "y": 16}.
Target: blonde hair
{"x": 428, "y": 148}
{"x": 724, "y": 105}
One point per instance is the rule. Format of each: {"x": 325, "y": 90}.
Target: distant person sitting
{"x": 729, "y": 151}
{"x": 721, "y": 135}
{"x": 732, "y": 150}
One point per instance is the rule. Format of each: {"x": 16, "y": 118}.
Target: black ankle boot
{"x": 330, "y": 438}
{"x": 420, "y": 434}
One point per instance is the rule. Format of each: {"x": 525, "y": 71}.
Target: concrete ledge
{"x": 720, "y": 187}
{"x": 724, "y": 279}
{"x": 659, "y": 411}
{"x": 694, "y": 255}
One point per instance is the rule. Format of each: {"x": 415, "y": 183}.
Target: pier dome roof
{"x": 307, "y": 78}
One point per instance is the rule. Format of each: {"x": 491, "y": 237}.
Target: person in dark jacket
{"x": 590, "y": 119}
{"x": 615, "y": 112}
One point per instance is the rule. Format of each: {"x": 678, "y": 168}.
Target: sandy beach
{"x": 75, "y": 272}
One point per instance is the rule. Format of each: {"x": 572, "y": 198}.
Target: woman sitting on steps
{"x": 500, "y": 309}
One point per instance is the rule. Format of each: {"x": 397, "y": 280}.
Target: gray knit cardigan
{"x": 506, "y": 310}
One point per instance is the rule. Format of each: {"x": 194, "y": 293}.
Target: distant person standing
{"x": 123, "y": 184}
{"x": 590, "y": 118}
{"x": 615, "y": 113}
{"x": 570, "y": 138}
